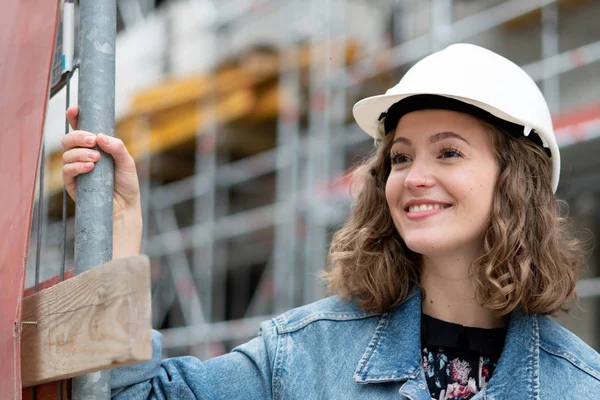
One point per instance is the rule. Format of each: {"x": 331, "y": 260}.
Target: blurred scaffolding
{"x": 238, "y": 115}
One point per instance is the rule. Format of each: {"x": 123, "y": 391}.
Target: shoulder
{"x": 332, "y": 308}
{"x": 567, "y": 351}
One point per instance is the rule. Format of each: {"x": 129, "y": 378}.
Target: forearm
{"x": 245, "y": 373}
{"x": 127, "y": 233}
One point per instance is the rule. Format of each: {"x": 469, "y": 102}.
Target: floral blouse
{"x": 458, "y": 361}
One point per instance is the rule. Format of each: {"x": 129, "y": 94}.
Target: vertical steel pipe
{"x": 94, "y": 203}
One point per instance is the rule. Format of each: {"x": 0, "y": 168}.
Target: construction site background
{"x": 238, "y": 113}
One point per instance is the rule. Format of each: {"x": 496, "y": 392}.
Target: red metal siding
{"x": 27, "y": 31}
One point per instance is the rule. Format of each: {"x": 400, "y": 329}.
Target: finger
{"x": 72, "y": 113}
{"x": 116, "y": 148}
{"x": 77, "y": 168}
{"x": 80, "y": 154}
{"x": 70, "y": 186}
{"x": 78, "y": 139}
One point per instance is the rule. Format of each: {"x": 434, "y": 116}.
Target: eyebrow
{"x": 434, "y": 139}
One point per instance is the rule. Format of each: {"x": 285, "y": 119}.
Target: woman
{"x": 443, "y": 274}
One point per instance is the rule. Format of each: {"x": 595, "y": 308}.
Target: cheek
{"x": 393, "y": 189}
{"x": 478, "y": 189}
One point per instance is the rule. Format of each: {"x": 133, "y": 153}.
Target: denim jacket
{"x": 332, "y": 349}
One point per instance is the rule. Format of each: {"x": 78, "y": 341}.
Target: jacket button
{"x": 422, "y": 386}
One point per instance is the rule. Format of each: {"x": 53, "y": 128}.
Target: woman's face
{"x": 443, "y": 163}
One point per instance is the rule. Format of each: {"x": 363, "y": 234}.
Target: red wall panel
{"x": 27, "y": 31}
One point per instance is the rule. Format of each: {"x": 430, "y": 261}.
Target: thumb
{"x": 72, "y": 114}
{"x": 116, "y": 148}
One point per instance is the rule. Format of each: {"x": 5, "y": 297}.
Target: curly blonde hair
{"x": 531, "y": 258}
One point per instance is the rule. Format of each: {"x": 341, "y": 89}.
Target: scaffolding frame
{"x": 304, "y": 162}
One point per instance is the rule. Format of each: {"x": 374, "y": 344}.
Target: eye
{"x": 398, "y": 158}
{"x": 450, "y": 152}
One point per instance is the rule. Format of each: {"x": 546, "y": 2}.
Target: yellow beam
{"x": 174, "y": 92}
{"x": 179, "y": 125}
{"x": 266, "y": 107}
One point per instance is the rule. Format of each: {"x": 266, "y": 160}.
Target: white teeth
{"x": 426, "y": 207}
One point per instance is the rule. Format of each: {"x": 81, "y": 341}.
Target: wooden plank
{"x": 98, "y": 320}
{"x": 27, "y": 32}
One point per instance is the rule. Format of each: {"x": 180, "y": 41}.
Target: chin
{"x": 428, "y": 245}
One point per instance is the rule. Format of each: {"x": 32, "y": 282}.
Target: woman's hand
{"x": 80, "y": 157}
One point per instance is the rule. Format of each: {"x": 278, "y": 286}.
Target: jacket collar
{"x": 517, "y": 374}
{"x": 394, "y": 352}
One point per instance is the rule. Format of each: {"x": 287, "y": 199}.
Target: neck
{"x": 450, "y": 292}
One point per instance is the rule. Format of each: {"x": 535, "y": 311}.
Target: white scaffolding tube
{"x": 240, "y": 329}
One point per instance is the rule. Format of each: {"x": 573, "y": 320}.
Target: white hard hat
{"x": 471, "y": 79}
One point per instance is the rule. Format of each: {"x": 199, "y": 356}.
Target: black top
{"x": 458, "y": 361}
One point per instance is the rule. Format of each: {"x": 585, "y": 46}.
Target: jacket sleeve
{"x": 245, "y": 373}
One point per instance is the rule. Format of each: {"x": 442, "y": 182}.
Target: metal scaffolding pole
{"x": 205, "y": 271}
{"x": 313, "y": 164}
{"x": 319, "y": 150}
{"x": 337, "y": 108}
{"x": 180, "y": 270}
{"x": 341, "y": 137}
{"x": 204, "y": 205}
{"x": 222, "y": 259}
{"x": 287, "y": 165}
{"x": 144, "y": 168}
{"x": 551, "y": 84}
{"x": 94, "y": 205}
{"x": 441, "y": 21}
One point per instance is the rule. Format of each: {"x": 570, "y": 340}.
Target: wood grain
{"x": 98, "y": 320}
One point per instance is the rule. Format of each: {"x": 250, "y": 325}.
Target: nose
{"x": 419, "y": 176}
